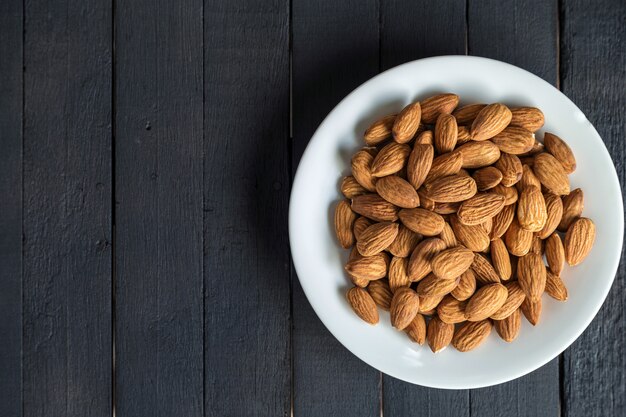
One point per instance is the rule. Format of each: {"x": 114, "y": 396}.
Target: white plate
{"x": 319, "y": 260}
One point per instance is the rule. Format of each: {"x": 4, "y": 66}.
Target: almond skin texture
{"x": 508, "y": 328}
{"x": 485, "y": 302}
{"x": 518, "y": 241}
{"x": 511, "y": 169}
{"x": 554, "y": 212}
{"x": 425, "y": 138}
{"x": 433, "y": 286}
{"x": 419, "y": 164}
{"x": 362, "y": 304}
{"x": 397, "y": 274}
{"x": 490, "y": 121}
{"x": 377, "y": 238}
{"x": 530, "y": 118}
{"x": 419, "y": 263}
{"x": 573, "y": 205}
{"x": 391, "y": 159}
{"x": 397, "y": 191}
{"x": 450, "y": 310}
{"x": 344, "y": 221}
{"x": 561, "y": 151}
{"x": 406, "y": 123}
{"x": 463, "y": 135}
{"x": 422, "y": 221}
{"x": 514, "y": 140}
{"x": 451, "y": 263}
{"x": 374, "y": 207}
{"x": 451, "y": 189}
{"x": 487, "y": 225}
{"x": 532, "y": 310}
{"x": 404, "y": 307}
{"x": 551, "y": 174}
{"x": 350, "y": 187}
{"x": 478, "y": 154}
{"x": 484, "y": 271}
{"x": 426, "y": 202}
{"x": 416, "y": 330}
{"x": 404, "y": 243}
{"x": 369, "y": 268}
{"x": 529, "y": 179}
{"x": 500, "y": 259}
{"x": 362, "y": 169}
{"x": 555, "y": 253}
{"x": 360, "y": 225}
{"x": 514, "y": 300}
{"x": 487, "y": 178}
{"x": 429, "y": 303}
{"x": 477, "y": 209}
{"x": 379, "y": 131}
{"x": 472, "y": 237}
{"x": 433, "y": 106}
{"x": 555, "y": 287}
{"x": 447, "y": 164}
{"x": 510, "y": 193}
{"x": 531, "y": 274}
{"x": 447, "y": 235}
{"x": 579, "y": 240}
{"x": 466, "y": 114}
{"x": 466, "y": 287}
{"x": 502, "y": 221}
{"x": 381, "y": 293}
{"x": 446, "y": 133}
{"x": 531, "y": 209}
{"x": 470, "y": 335}
{"x": 439, "y": 334}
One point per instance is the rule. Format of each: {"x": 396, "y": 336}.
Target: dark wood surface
{"x": 146, "y": 155}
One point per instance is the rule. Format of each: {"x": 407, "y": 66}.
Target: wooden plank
{"x": 412, "y": 30}
{"x": 335, "y": 49}
{"x": 246, "y": 176}
{"x": 67, "y": 343}
{"x": 159, "y": 330}
{"x": 593, "y": 70}
{"x": 523, "y": 33}
{"x": 11, "y": 18}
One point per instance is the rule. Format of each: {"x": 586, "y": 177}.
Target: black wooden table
{"x": 146, "y": 154}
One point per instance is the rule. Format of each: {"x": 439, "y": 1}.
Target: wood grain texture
{"x": 159, "y": 264}
{"x": 67, "y": 345}
{"x": 412, "y": 30}
{"x": 335, "y": 49}
{"x": 246, "y": 176}
{"x": 11, "y": 17}
{"x": 524, "y": 34}
{"x": 593, "y": 70}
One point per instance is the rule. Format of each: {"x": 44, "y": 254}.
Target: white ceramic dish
{"x": 319, "y": 260}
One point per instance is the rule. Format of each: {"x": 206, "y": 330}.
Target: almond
{"x": 514, "y": 140}
{"x": 406, "y": 123}
{"x": 447, "y": 164}
{"x": 463, "y": 135}
{"x": 369, "y": 267}
{"x": 573, "y": 205}
{"x": 379, "y": 131}
{"x": 508, "y": 328}
{"x": 425, "y": 138}
{"x": 518, "y": 241}
{"x": 360, "y": 225}
{"x": 446, "y": 132}
{"x": 450, "y": 310}
{"x": 551, "y": 174}
{"x": 404, "y": 243}
{"x": 511, "y": 169}
{"x": 484, "y": 271}
{"x": 429, "y": 303}
{"x": 381, "y": 293}
{"x": 426, "y": 202}
{"x": 478, "y": 154}
{"x": 451, "y": 189}
{"x": 472, "y": 237}
{"x": 404, "y": 307}
{"x": 470, "y": 335}
{"x": 554, "y": 212}
{"x": 531, "y": 274}
{"x": 376, "y": 238}
{"x": 532, "y": 310}
{"x": 416, "y": 330}
{"x": 477, "y": 209}
{"x": 500, "y": 259}
{"x": 350, "y": 187}
{"x": 391, "y": 159}
{"x": 419, "y": 263}
{"x": 579, "y": 240}
{"x": 530, "y": 118}
{"x": 487, "y": 225}
{"x": 447, "y": 235}
{"x": 561, "y": 151}
{"x": 466, "y": 114}
{"x": 487, "y": 178}
{"x": 433, "y": 286}
{"x": 531, "y": 209}
{"x": 422, "y": 221}
{"x": 397, "y": 274}
{"x": 362, "y": 304}
{"x": 510, "y": 193}
{"x": 433, "y": 106}
{"x": 485, "y": 302}
{"x": 354, "y": 254}
{"x": 555, "y": 287}
{"x": 529, "y": 179}
{"x": 490, "y": 121}
{"x": 537, "y": 246}
{"x": 451, "y": 263}
{"x": 555, "y": 254}
{"x": 502, "y": 221}
{"x": 397, "y": 191}
{"x": 439, "y": 334}
{"x": 446, "y": 208}
{"x": 362, "y": 169}
{"x": 374, "y": 207}
{"x": 514, "y": 300}
{"x": 344, "y": 220}
{"x": 466, "y": 287}
{"x": 419, "y": 164}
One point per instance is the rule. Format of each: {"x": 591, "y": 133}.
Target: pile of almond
{"x": 459, "y": 220}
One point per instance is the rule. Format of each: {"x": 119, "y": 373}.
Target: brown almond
{"x": 429, "y": 303}
{"x": 424, "y": 222}
{"x": 536, "y": 149}
{"x": 478, "y": 154}
{"x": 555, "y": 287}
{"x": 518, "y": 241}
{"x": 425, "y": 138}
{"x": 368, "y": 267}
{"x": 450, "y": 189}
{"x": 472, "y": 237}
{"x": 485, "y": 302}
{"x": 510, "y": 193}
{"x": 530, "y": 118}
{"x": 447, "y": 164}
{"x": 404, "y": 307}
{"x": 490, "y": 121}
{"x": 419, "y": 164}
{"x": 406, "y": 123}
{"x": 433, "y": 106}
{"x": 397, "y": 274}
{"x": 579, "y": 240}
{"x": 531, "y": 209}
{"x": 502, "y": 221}
{"x": 463, "y": 135}
{"x": 450, "y": 310}
{"x": 360, "y": 225}
{"x": 379, "y": 131}
{"x": 500, "y": 259}
{"x": 354, "y": 254}
{"x": 561, "y": 151}
{"x": 439, "y": 334}
{"x": 466, "y": 287}
{"x": 508, "y": 328}
{"x": 555, "y": 253}
{"x": 350, "y": 187}
{"x": 487, "y": 225}
{"x": 451, "y": 263}
{"x": 377, "y": 238}
{"x": 532, "y": 310}
{"x": 397, "y": 191}
{"x": 446, "y": 208}
{"x": 362, "y": 304}
{"x": 419, "y": 263}
{"x": 484, "y": 270}
{"x": 573, "y": 205}
{"x": 479, "y": 208}
{"x": 404, "y": 243}
{"x": 344, "y": 220}
{"x": 529, "y": 179}
{"x": 470, "y": 335}
{"x": 447, "y": 235}
{"x": 551, "y": 174}
{"x": 416, "y": 330}
{"x": 391, "y": 159}
{"x": 554, "y": 212}
{"x": 362, "y": 169}
{"x": 511, "y": 169}
{"x": 466, "y": 114}
{"x": 514, "y": 300}
{"x": 381, "y": 293}
{"x": 487, "y": 178}
{"x": 446, "y": 133}
{"x": 374, "y": 207}
{"x": 432, "y": 286}
{"x": 531, "y": 274}
{"x": 537, "y": 246}
{"x": 514, "y": 140}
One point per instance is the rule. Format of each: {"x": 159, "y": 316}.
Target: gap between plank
{"x": 113, "y": 216}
